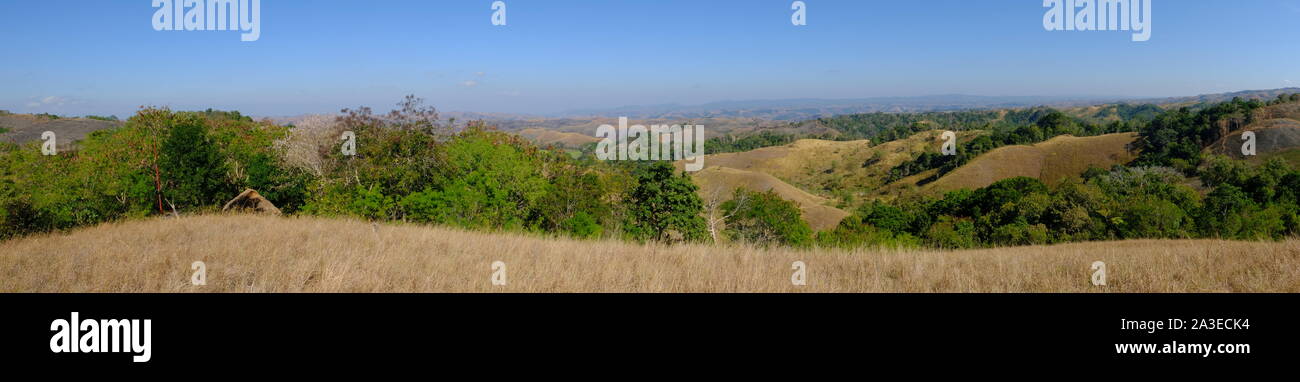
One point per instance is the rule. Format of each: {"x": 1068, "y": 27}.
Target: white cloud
{"x": 469, "y": 84}
{"x": 480, "y": 74}
{"x": 49, "y": 101}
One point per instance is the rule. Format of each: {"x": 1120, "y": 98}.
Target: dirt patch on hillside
{"x": 28, "y": 128}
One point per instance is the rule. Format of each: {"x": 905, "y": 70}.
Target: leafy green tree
{"x": 992, "y": 198}
{"x": 952, "y": 233}
{"x": 576, "y": 190}
{"x": 1223, "y": 211}
{"x": 1153, "y": 217}
{"x": 886, "y": 217}
{"x": 1058, "y": 123}
{"x": 765, "y": 218}
{"x": 487, "y": 180}
{"x": 193, "y": 169}
{"x": 665, "y": 207}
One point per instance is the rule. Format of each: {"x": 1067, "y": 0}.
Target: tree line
{"x": 409, "y": 166}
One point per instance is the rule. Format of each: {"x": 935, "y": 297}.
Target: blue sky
{"x": 77, "y": 57}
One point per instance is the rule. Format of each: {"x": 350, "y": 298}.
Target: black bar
{"x": 284, "y": 331}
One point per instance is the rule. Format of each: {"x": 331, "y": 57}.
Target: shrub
{"x": 583, "y": 226}
{"x": 765, "y": 218}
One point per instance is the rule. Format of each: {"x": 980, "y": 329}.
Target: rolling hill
{"x": 718, "y": 183}
{"x": 1049, "y": 161}
{"x": 826, "y": 178}
{"x": 546, "y": 137}
{"x": 1277, "y": 135}
{"x": 822, "y": 177}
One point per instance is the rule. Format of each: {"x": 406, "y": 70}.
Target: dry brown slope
{"x": 558, "y": 138}
{"x": 1049, "y": 161}
{"x": 817, "y": 174}
{"x": 719, "y": 183}
{"x": 834, "y": 169}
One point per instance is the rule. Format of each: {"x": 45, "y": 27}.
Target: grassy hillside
{"x": 1049, "y": 161}
{"x": 268, "y": 254}
{"x": 845, "y": 174}
{"x": 718, "y": 184}
{"x": 845, "y": 171}
{"x": 546, "y": 137}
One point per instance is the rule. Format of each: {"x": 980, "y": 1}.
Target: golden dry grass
{"x": 721, "y": 182}
{"x": 1050, "y": 161}
{"x": 557, "y": 138}
{"x": 819, "y": 166}
{"x": 272, "y": 254}
{"x": 814, "y": 173}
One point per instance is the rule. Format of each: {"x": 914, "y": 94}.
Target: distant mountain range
{"x": 805, "y": 109}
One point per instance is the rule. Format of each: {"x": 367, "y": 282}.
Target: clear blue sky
{"x": 78, "y": 57}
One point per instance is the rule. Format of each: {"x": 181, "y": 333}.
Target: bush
{"x": 583, "y": 226}
{"x": 765, "y": 218}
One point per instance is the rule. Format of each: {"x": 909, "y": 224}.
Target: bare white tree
{"x": 716, "y": 216}
{"x": 302, "y": 148}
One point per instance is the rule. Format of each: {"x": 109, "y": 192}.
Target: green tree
{"x": 1223, "y": 211}
{"x": 192, "y": 168}
{"x": 952, "y": 233}
{"x": 665, "y": 207}
{"x": 488, "y": 180}
{"x": 583, "y": 226}
{"x": 765, "y": 218}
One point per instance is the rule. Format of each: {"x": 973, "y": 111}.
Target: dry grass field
{"x": 272, "y": 254}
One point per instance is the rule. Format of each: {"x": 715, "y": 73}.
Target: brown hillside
{"x": 833, "y": 169}
{"x": 818, "y": 174}
{"x": 557, "y": 138}
{"x": 720, "y": 182}
{"x": 1050, "y": 161}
